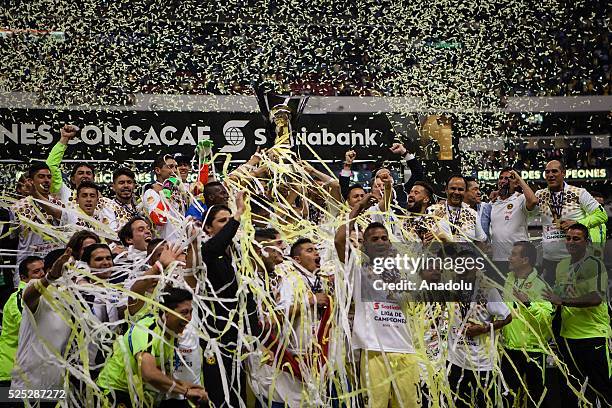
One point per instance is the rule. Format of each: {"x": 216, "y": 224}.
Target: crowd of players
{"x": 253, "y": 288}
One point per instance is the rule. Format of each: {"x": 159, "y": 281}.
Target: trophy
{"x": 280, "y": 113}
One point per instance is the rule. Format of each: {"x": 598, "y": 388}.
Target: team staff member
{"x": 458, "y": 222}
{"x": 580, "y": 292}
{"x": 510, "y": 214}
{"x": 527, "y": 335}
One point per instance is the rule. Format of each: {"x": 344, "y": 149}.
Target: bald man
{"x": 561, "y": 205}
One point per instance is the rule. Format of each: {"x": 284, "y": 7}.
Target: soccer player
{"x": 43, "y": 331}
{"x": 135, "y": 235}
{"x": 580, "y": 293}
{"x": 163, "y": 203}
{"x": 473, "y": 323}
{"x": 143, "y": 359}
{"x": 30, "y": 268}
{"x": 86, "y": 212}
{"x": 27, "y": 211}
{"x": 386, "y": 344}
{"x": 123, "y": 205}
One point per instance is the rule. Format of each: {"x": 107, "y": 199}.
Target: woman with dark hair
{"x": 222, "y": 321}
{"x": 80, "y": 240}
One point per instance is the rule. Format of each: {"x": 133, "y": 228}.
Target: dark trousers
{"x": 471, "y": 389}
{"x": 524, "y": 373}
{"x": 587, "y": 358}
{"x": 213, "y": 383}
{"x": 549, "y": 271}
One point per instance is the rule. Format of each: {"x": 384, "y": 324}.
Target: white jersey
{"x": 573, "y": 203}
{"x": 509, "y": 221}
{"x": 459, "y": 224}
{"x": 475, "y": 353}
{"x": 294, "y": 290}
{"x": 43, "y": 336}
{"x": 266, "y": 380}
{"x": 130, "y": 265}
{"x": 188, "y": 357}
{"x": 378, "y": 325}
{"x": 74, "y": 215}
{"x": 26, "y": 211}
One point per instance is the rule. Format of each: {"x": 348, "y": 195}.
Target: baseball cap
{"x": 181, "y": 158}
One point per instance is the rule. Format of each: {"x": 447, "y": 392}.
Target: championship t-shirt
{"x": 475, "y": 353}
{"x": 578, "y": 279}
{"x": 27, "y": 213}
{"x": 508, "y": 225}
{"x": 573, "y": 203}
{"x": 380, "y": 325}
{"x": 73, "y": 215}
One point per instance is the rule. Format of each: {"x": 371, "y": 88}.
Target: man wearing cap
{"x": 183, "y": 167}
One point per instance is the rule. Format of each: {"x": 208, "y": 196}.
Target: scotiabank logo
{"x": 325, "y": 138}
{"x": 375, "y": 305}
{"x": 232, "y": 131}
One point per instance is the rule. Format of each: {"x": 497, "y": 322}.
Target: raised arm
{"x": 330, "y": 183}
{"x": 385, "y": 203}
{"x": 530, "y": 198}
{"x": 217, "y": 245}
{"x": 345, "y": 175}
{"x": 340, "y": 239}
{"x": 56, "y": 155}
{"x": 33, "y": 292}
{"x": 415, "y": 166}
{"x": 44, "y": 203}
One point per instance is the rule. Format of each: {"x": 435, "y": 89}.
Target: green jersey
{"x": 578, "y": 279}
{"x": 11, "y": 320}
{"x": 531, "y": 324}
{"x": 122, "y": 372}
